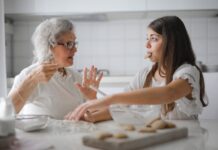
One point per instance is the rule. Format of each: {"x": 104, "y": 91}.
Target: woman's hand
{"x": 97, "y": 116}
{"x": 89, "y": 78}
{"x": 87, "y": 107}
{"x": 44, "y": 72}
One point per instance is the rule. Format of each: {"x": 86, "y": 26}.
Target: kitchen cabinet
{"x": 75, "y": 7}
{"x": 65, "y": 7}
{"x": 211, "y": 86}
{"x": 158, "y": 5}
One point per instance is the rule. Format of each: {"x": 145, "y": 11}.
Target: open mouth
{"x": 148, "y": 55}
{"x": 70, "y": 57}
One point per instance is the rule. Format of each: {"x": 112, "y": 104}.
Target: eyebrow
{"x": 155, "y": 34}
{"x": 158, "y": 35}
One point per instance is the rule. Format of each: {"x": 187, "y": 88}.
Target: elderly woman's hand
{"x": 84, "y": 110}
{"x": 44, "y": 72}
{"x": 90, "y": 77}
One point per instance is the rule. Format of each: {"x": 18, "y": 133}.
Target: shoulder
{"x": 26, "y": 70}
{"x": 144, "y": 71}
{"x": 22, "y": 75}
{"x": 139, "y": 79}
{"x": 186, "y": 70}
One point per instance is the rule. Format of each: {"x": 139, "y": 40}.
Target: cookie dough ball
{"x": 159, "y": 124}
{"x": 120, "y": 136}
{"x": 104, "y": 135}
{"x": 128, "y": 127}
{"x": 170, "y": 125}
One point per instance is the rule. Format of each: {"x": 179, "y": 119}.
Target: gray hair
{"x": 46, "y": 35}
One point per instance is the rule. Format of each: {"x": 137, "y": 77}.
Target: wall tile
{"x": 116, "y": 65}
{"x": 212, "y": 60}
{"x": 199, "y": 28}
{"x": 22, "y": 49}
{"x": 20, "y": 63}
{"x": 116, "y": 48}
{"x": 213, "y": 27}
{"x": 199, "y": 46}
{"x": 132, "y": 29}
{"x": 133, "y": 47}
{"x": 116, "y": 30}
{"x": 213, "y": 46}
{"x": 118, "y": 45}
{"x": 132, "y": 65}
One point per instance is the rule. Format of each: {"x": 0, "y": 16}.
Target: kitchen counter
{"x": 201, "y": 135}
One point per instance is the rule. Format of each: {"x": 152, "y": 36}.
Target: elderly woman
{"x": 49, "y": 86}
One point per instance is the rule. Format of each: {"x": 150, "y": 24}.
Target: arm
{"x": 41, "y": 73}
{"x": 155, "y": 95}
{"x": 20, "y": 94}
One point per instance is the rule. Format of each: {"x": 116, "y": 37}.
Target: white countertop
{"x": 202, "y": 135}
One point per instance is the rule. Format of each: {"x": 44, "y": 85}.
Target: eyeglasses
{"x": 69, "y": 45}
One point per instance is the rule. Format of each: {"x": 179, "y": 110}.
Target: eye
{"x": 70, "y": 44}
{"x": 154, "y": 39}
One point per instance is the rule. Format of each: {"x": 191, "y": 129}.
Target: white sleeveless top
{"x": 184, "y": 108}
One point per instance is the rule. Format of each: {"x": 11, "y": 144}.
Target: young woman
{"x": 174, "y": 81}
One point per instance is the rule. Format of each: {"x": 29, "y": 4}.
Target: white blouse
{"x": 184, "y": 108}
{"x": 55, "y": 98}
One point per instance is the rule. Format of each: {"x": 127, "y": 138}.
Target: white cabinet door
{"x": 3, "y": 89}
{"x": 211, "y": 84}
{"x": 64, "y": 7}
{"x": 160, "y": 5}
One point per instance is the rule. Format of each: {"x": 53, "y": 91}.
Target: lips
{"x": 148, "y": 55}
{"x": 70, "y": 57}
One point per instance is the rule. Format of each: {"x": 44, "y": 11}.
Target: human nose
{"x": 147, "y": 44}
{"x": 73, "y": 50}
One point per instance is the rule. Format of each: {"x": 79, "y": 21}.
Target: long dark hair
{"x": 177, "y": 50}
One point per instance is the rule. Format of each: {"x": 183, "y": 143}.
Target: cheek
{"x": 59, "y": 56}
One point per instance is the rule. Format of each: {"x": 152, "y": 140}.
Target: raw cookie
{"x": 128, "y": 127}
{"x": 170, "y": 125}
{"x": 104, "y": 135}
{"x": 120, "y": 135}
{"x": 159, "y": 124}
{"x": 147, "y": 130}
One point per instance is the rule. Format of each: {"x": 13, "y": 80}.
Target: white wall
{"x": 3, "y": 89}
{"x": 118, "y": 45}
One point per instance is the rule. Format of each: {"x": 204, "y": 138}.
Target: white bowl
{"x": 31, "y": 122}
{"x": 134, "y": 114}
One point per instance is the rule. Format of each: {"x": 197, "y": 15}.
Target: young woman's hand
{"x": 90, "y": 77}
{"x": 44, "y": 72}
{"x": 85, "y": 108}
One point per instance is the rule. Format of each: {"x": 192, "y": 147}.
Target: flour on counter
{"x": 68, "y": 127}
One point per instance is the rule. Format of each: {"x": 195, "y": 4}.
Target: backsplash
{"x": 116, "y": 45}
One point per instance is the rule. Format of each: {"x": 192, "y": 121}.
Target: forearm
{"x": 20, "y": 94}
{"x": 158, "y": 95}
